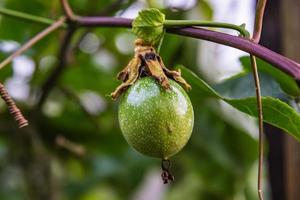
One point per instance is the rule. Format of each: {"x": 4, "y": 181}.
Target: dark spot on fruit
{"x": 169, "y": 128}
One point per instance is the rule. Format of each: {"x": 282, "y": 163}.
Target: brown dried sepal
{"x": 147, "y": 62}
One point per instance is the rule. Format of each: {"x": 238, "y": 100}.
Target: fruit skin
{"x": 154, "y": 121}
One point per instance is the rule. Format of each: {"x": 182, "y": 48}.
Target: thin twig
{"x": 68, "y": 11}
{"x": 283, "y": 63}
{"x": 73, "y": 147}
{"x": 33, "y": 40}
{"x": 260, "y": 9}
{"x": 259, "y": 16}
{"x": 12, "y": 107}
{"x": 260, "y": 126}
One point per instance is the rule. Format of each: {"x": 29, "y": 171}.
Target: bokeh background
{"x": 73, "y": 148}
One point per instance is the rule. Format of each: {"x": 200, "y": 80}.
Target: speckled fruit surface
{"x": 154, "y": 121}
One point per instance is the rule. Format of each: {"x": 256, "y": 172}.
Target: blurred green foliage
{"x": 218, "y": 163}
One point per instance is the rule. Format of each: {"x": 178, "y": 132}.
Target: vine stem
{"x": 260, "y": 8}
{"x": 33, "y": 41}
{"x": 284, "y": 64}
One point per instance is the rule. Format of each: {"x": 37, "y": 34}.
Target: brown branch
{"x": 91, "y": 21}
{"x": 12, "y": 107}
{"x": 33, "y": 41}
{"x": 49, "y": 84}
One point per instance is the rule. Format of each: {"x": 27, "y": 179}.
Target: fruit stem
{"x": 185, "y": 23}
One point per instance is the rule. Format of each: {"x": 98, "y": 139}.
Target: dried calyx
{"x": 146, "y": 62}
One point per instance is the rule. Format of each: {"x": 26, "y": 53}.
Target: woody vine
{"x": 151, "y": 28}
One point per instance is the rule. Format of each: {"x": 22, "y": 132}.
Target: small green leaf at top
{"x": 149, "y": 25}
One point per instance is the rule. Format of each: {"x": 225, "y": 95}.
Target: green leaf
{"x": 203, "y": 88}
{"x": 286, "y": 83}
{"x": 149, "y": 25}
{"x": 276, "y": 112}
{"x": 242, "y": 86}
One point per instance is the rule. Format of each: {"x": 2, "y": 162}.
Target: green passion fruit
{"x": 155, "y": 121}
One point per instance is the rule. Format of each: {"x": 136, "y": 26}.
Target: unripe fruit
{"x": 155, "y": 121}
